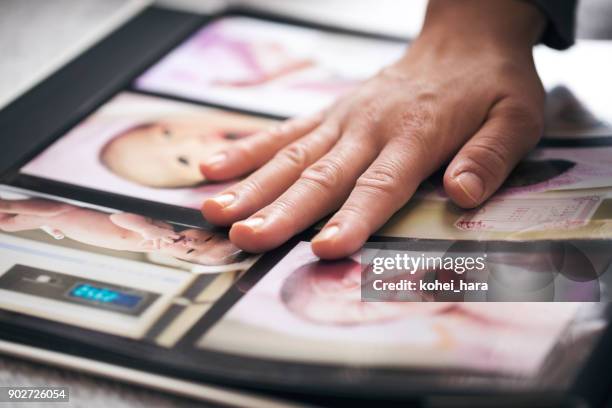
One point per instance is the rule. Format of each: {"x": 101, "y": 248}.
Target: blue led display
{"x": 108, "y": 296}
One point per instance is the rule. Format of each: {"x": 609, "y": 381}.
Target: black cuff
{"x": 561, "y": 26}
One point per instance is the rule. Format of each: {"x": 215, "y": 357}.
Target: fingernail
{"x": 215, "y": 159}
{"x": 327, "y": 233}
{"x": 472, "y": 185}
{"x": 224, "y": 199}
{"x": 253, "y": 222}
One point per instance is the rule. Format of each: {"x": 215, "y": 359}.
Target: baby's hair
{"x": 104, "y": 151}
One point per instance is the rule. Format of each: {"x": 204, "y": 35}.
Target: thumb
{"x": 483, "y": 163}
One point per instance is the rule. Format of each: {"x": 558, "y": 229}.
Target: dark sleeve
{"x": 561, "y": 27}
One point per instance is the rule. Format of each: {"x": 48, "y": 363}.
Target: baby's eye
{"x": 166, "y": 133}
{"x": 183, "y": 160}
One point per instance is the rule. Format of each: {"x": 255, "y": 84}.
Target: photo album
{"x": 104, "y": 254}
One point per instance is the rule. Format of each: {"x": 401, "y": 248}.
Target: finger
{"x": 319, "y": 190}
{"x": 485, "y": 161}
{"x": 271, "y": 180}
{"x": 379, "y": 192}
{"x": 252, "y": 152}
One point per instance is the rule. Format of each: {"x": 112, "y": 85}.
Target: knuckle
{"x": 355, "y": 213}
{"x": 325, "y": 174}
{"x": 350, "y": 210}
{"x": 328, "y": 131}
{"x": 281, "y": 128}
{"x": 284, "y": 208}
{"x": 509, "y": 69}
{"x": 487, "y": 158}
{"x": 366, "y": 110}
{"x": 275, "y": 133}
{"x": 381, "y": 179}
{"x": 414, "y": 124}
{"x": 415, "y": 130}
{"x": 245, "y": 149}
{"x": 295, "y": 154}
{"x": 288, "y": 127}
{"x": 373, "y": 109}
{"x": 307, "y": 121}
{"x": 524, "y": 115}
{"x": 252, "y": 187}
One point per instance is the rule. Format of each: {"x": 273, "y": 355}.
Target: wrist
{"x": 483, "y": 26}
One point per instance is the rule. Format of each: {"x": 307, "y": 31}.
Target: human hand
{"x": 466, "y": 90}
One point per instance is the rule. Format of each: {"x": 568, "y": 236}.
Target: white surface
{"x": 33, "y": 44}
{"x": 392, "y": 17}
{"x": 585, "y": 69}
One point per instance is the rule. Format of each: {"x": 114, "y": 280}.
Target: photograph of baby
{"x": 586, "y": 214}
{"x": 100, "y": 292}
{"x": 553, "y": 169}
{"x": 267, "y": 66}
{"x": 145, "y": 147}
{"x": 554, "y": 193}
{"x": 158, "y": 242}
{"x": 547, "y": 169}
{"x": 307, "y": 310}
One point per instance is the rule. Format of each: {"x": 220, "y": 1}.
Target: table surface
{"x": 38, "y": 36}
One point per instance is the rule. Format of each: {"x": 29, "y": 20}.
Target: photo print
{"x": 311, "y": 311}
{"x": 110, "y": 271}
{"x": 269, "y": 67}
{"x": 554, "y": 193}
{"x": 145, "y": 147}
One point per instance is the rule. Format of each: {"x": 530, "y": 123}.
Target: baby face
{"x": 167, "y": 154}
{"x": 202, "y": 248}
{"x": 330, "y": 293}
